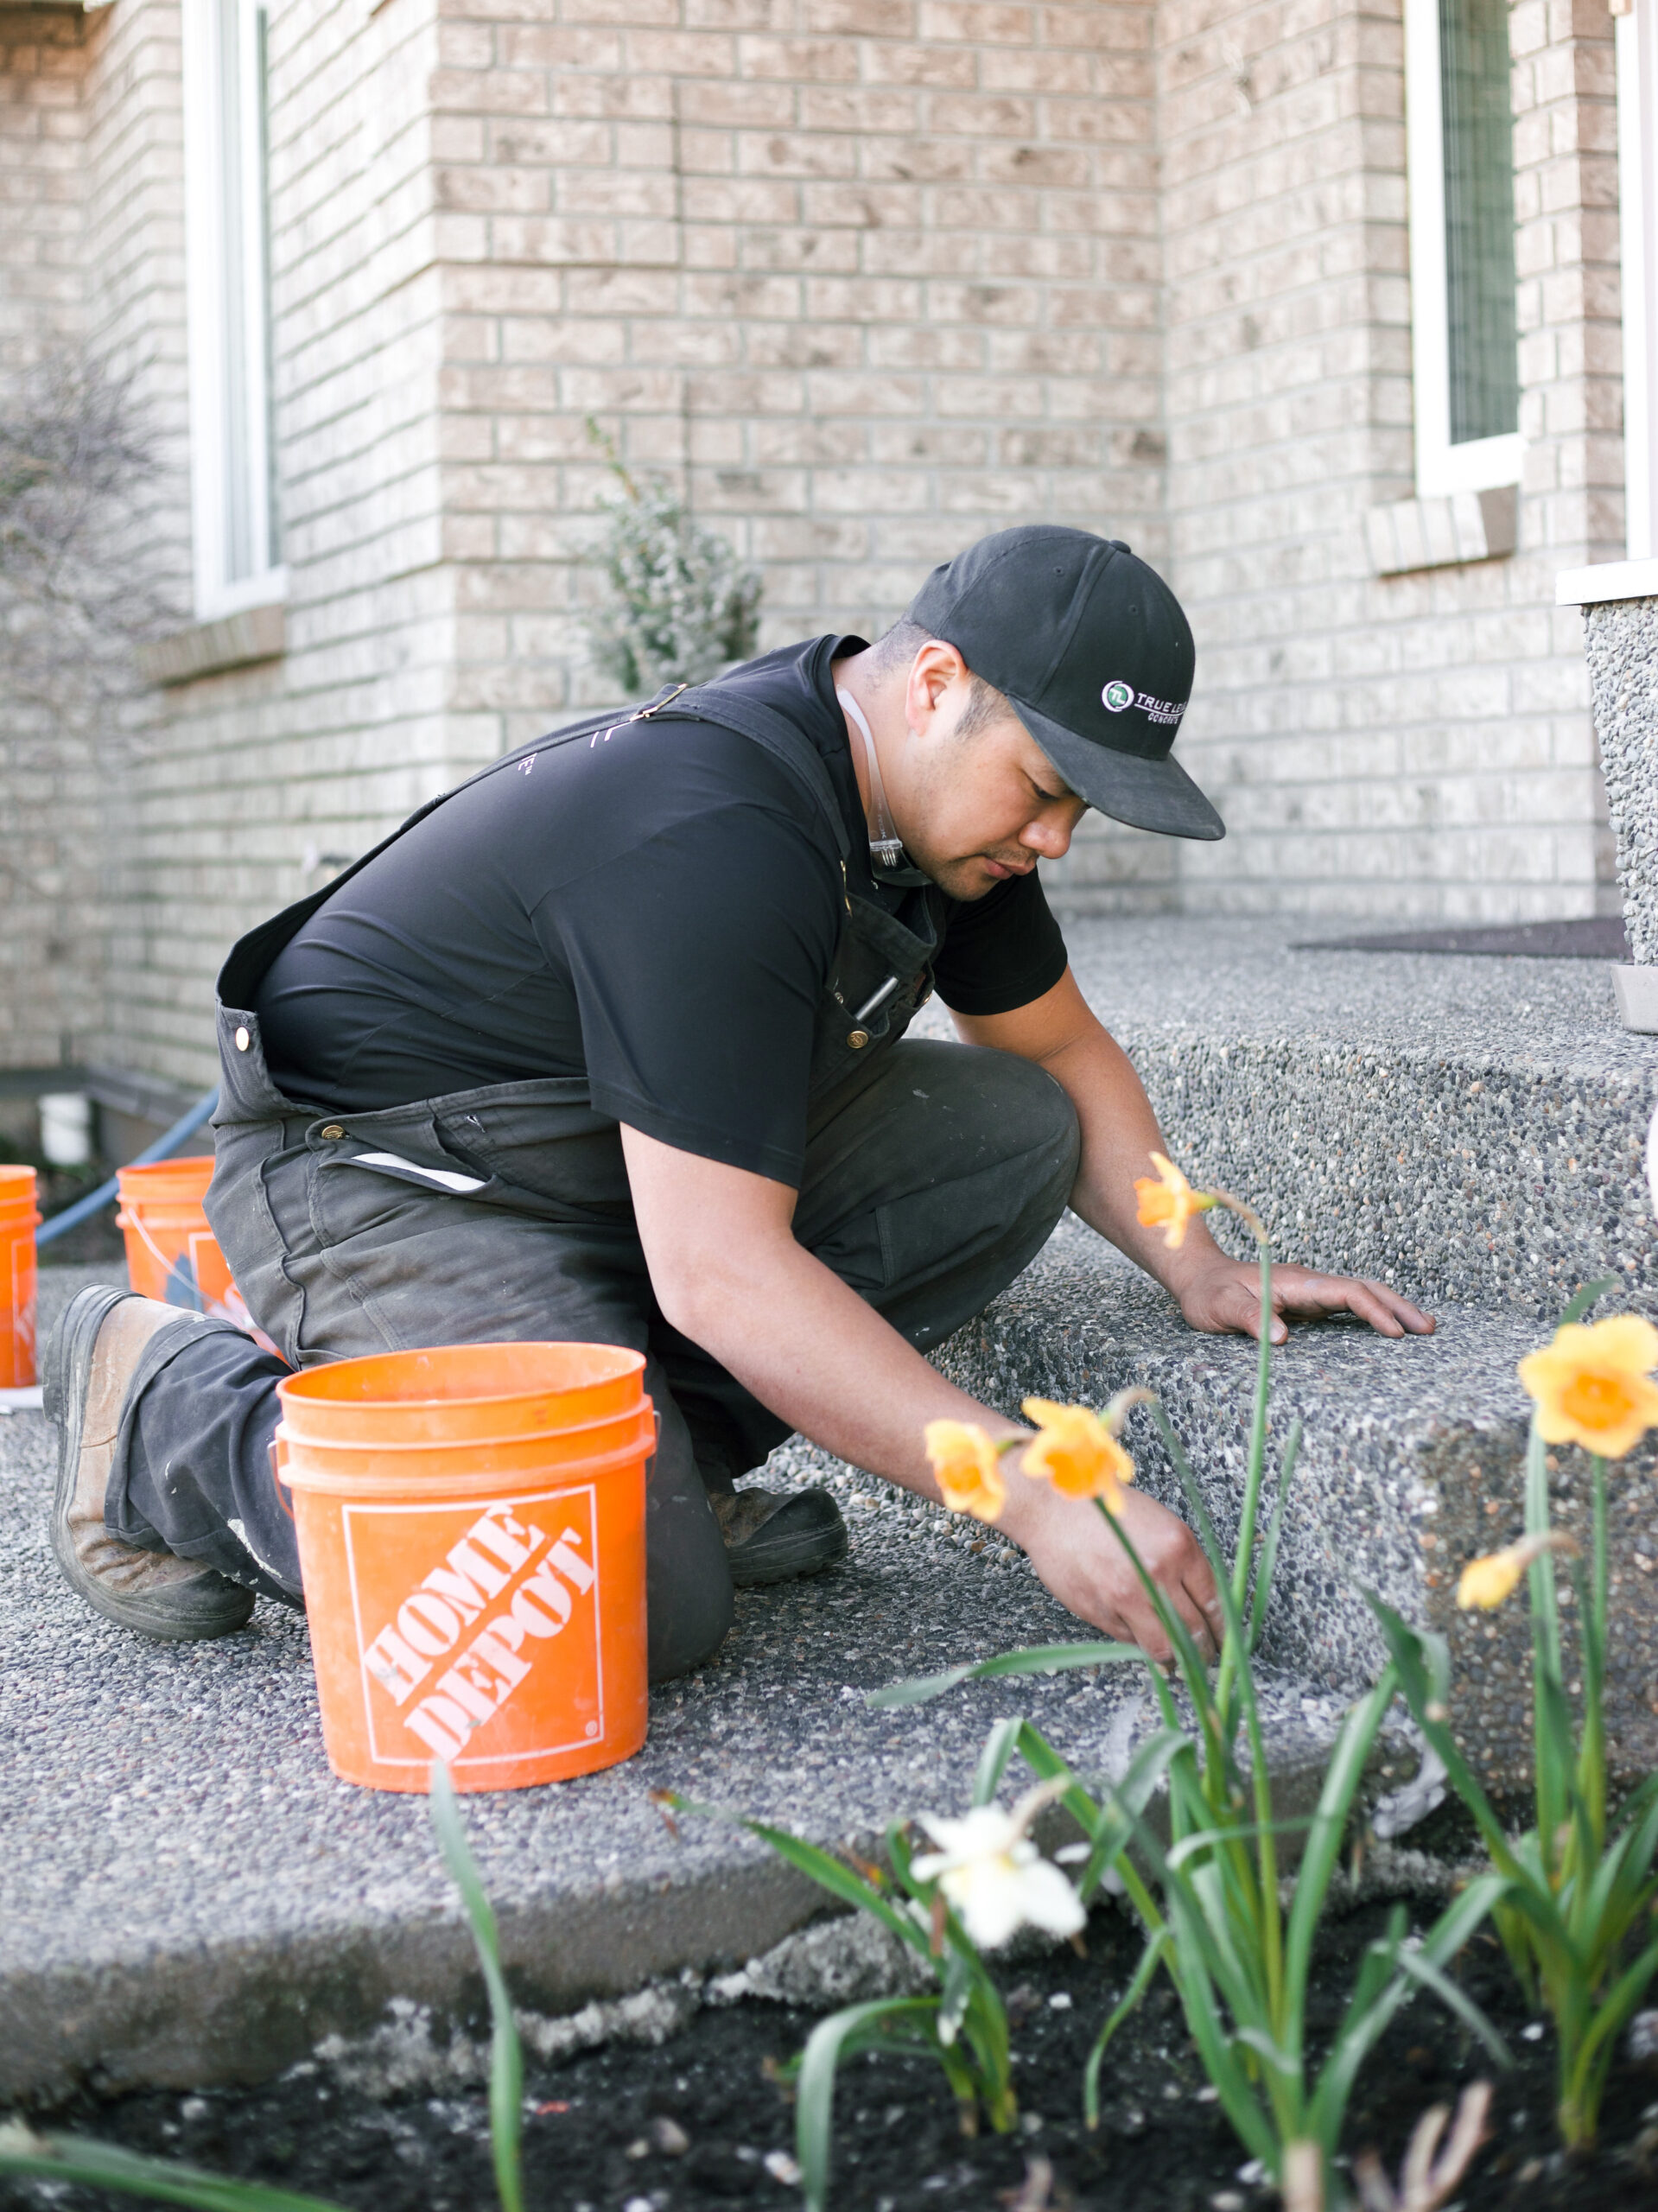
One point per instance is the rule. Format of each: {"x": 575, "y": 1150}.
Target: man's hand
{"x": 1060, "y": 1033}
{"x": 1225, "y": 1294}
{"x": 727, "y": 1272}
{"x": 1077, "y": 1556}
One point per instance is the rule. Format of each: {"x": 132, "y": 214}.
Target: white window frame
{"x": 1478, "y": 464}
{"x": 207, "y": 250}
{"x": 1637, "y": 178}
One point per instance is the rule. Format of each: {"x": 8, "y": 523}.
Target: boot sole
{"x": 193, "y": 1612}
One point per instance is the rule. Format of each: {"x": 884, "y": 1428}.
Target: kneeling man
{"x": 605, "y": 1045}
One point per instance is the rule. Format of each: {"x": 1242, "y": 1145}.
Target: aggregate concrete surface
{"x": 1412, "y": 1462}
{"x": 187, "y": 1895}
{"x": 1620, "y": 640}
{"x": 1468, "y": 1129}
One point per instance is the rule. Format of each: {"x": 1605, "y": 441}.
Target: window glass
{"x": 238, "y": 523}
{"x": 1478, "y": 135}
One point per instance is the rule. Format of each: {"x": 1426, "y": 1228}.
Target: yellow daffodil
{"x": 968, "y": 1468}
{"x": 1488, "y": 1582}
{"x": 1076, "y": 1450}
{"x": 1169, "y": 1203}
{"x": 1592, "y": 1384}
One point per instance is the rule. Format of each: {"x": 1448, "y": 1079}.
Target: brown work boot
{"x": 778, "y": 1535}
{"x": 88, "y": 1371}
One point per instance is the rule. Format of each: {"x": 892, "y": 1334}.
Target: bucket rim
{"x": 564, "y": 1474}
{"x": 141, "y": 1175}
{"x": 293, "y": 1385}
{"x": 643, "y": 1413}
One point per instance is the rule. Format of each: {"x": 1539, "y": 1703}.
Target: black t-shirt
{"x": 657, "y": 909}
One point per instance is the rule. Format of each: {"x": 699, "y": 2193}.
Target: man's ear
{"x": 932, "y": 672}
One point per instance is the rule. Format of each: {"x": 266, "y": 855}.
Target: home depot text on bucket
{"x": 492, "y": 1555}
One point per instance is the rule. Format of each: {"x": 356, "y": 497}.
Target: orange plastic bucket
{"x": 172, "y": 1255}
{"x": 471, "y": 1523}
{"x": 19, "y": 1219}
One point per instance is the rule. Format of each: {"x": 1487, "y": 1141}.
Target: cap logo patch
{"x": 1118, "y": 696}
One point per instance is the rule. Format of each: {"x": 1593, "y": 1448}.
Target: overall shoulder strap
{"x": 251, "y": 955}
{"x": 703, "y": 703}
{"x": 777, "y": 735}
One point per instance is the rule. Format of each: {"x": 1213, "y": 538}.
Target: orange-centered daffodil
{"x": 968, "y": 1468}
{"x": 1076, "y": 1450}
{"x": 1169, "y": 1203}
{"x": 1592, "y": 1384}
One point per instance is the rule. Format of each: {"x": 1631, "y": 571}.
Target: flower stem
{"x": 1552, "y": 1783}
{"x": 1592, "y": 1629}
{"x": 1256, "y": 1467}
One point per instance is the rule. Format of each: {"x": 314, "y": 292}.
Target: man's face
{"x": 975, "y": 810}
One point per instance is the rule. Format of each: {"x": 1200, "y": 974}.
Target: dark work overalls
{"x": 933, "y": 1173}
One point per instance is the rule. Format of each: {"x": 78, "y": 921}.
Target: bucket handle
{"x": 276, "y": 1456}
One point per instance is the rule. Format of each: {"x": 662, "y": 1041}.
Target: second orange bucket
{"x": 471, "y": 1524}
{"x": 18, "y": 1222}
{"x": 172, "y": 1254}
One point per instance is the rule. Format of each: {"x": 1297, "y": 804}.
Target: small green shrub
{"x": 680, "y": 603}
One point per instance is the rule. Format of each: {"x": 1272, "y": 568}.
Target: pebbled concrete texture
{"x": 1467, "y": 1130}
{"x": 1620, "y": 643}
{"x": 188, "y": 1896}
{"x": 1411, "y": 1464}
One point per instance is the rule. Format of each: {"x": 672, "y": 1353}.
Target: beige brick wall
{"x": 256, "y": 780}
{"x": 49, "y": 856}
{"x": 867, "y": 281}
{"x": 44, "y": 54}
{"x": 1571, "y": 339}
{"x": 865, "y": 278}
{"x": 1411, "y": 745}
{"x": 134, "y": 249}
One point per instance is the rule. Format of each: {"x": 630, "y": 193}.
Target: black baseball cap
{"x": 1094, "y": 651}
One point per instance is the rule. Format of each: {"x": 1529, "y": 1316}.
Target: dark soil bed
{"x": 597, "y": 2133}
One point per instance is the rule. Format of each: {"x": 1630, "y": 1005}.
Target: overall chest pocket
{"x": 882, "y": 975}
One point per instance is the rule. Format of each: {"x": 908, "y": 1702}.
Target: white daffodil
{"x": 994, "y": 1876}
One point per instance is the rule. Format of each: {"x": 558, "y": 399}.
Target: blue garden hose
{"x": 95, "y": 1201}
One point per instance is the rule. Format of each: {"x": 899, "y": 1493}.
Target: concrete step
{"x": 1411, "y": 1464}
{"x": 1469, "y": 1129}
{"x": 188, "y": 1896}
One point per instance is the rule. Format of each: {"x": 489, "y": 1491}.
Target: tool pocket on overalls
{"x": 882, "y": 973}
{"x": 542, "y": 1137}
{"x": 366, "y": 1169}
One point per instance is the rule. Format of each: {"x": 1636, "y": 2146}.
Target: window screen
{"x": 1478, "y": 219}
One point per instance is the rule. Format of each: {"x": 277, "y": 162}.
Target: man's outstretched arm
{"x": 727, "y": 1272}
{"x": 1060, "y": 1032}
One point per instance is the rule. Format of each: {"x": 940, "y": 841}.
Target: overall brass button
{"x": 858, "y": 1039}
{"x": 332, "y": 1130}
{"x": 243, "y": 1040}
